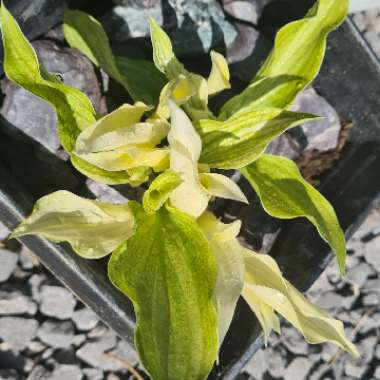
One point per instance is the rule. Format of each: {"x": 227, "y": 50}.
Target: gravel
{"x": 56, "y": 334}
{"x": 17, "y": 332}
{"x": 57, "y": 302}
{"x": 8, "y": 263}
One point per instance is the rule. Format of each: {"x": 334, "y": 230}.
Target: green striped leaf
{"x": 238, "y": 141}
{"x": 285, "y": 194}
{"x": 168, "y": 271}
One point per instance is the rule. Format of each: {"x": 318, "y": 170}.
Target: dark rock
{"x": 66, "y": 372}
{"x": 248, "y": 11}
{"x": 285, "y": 146}
{"x": 39, "y": 373}
{"x": 105, "y": 193}
{"x": 194, "y": 26}
{"x": 56, "y": 334}
{"x": 34, "y": 116}
{"x": 8, "y": 263}
{"x": 9, "y": 374}
{"x": 298, "y": 369}
{"x": 85, "y": 319}
{"x": 129, "y": 19}
{"x": 321, "y": 135}
{"x": 16, "y": 303}
{"x": 57, "y": 302}
{"x": 17, "y": 332}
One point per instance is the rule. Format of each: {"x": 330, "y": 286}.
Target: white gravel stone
{"x": 85, "y": 319}
{"x": 56, "y": 334}
{"x": 17, "y": 332}
{"x": 66, "y": 372}
{"x": 57, "y": 302}
{"x": 16, "y": 303}
{"x": 298, "y": 369}
{"x": 8, "y": 263}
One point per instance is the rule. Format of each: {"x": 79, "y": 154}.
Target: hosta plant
{"x": 184, "y": 269}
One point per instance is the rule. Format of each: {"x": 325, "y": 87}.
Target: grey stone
{"x": 100, "y": 331}
{"x": 285, "y": 146}
{"x": 66, "y": 372}
{"x": 126, "y": 352}
{"x": 372, "y": 253}
{"x": 15, "y": 303}
{"x": 57, "y": 302}
{"x": 56, "y": 334}
{"x": 293, "y": 341}
{"x": 257, "y": 366}
{"x": 79, "y": 339}
{"x": 197, "y": 25}
{"x": 105, "y": 193}
{"x": 9, "y": 374}
{"x": 377, "y": 373}
{"x": 321, "y": 135}
{"x": 48, "y": 353}
{"x": 93, "y": 353}
{"x": 93, "y": 373}
{"x": 354, "y": 370}
{"x": 4, "y": 231}
{"x": 36, "y": 347}
{"x": 35, "y": 117}
{"x": 298, "y": 369}
{"x": 276, "y": 362}
{"x": 248, "y": 11}
{"x": 28, "y": 259}
{"x": 17, "y": 332}
{"x": 8, "y": 263}
{"x": 85, "y": 319}
{"x": 371, "y": 299}
{"x": 130, "y": 18}
{"x": 35, "y": 283}
{"x": 359, "y": 274}
{"x": 39, "y": 373}
{"x": 330, "y": 301}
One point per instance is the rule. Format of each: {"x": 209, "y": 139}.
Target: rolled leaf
{"x": 93, "y": 229}
{"x": 218, "y": 185}
{"x": 219, "y": 78}
{"x": 265, "y": 285}
{"x": 168, "y": 271}
{"x": 285, "y": 194}
{"x": 166, "y": 62}
{"x": 74, "y": 109}
{"x": 140, "y": 78}
{"x": 229, "y": 264}
{"x": 159, "y": 191}
{"x": 241, "y": 139}
{"x": 185, "y": 149}
{"x": 294, "y": 62}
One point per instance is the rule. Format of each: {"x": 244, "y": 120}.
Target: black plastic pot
{"x": 350, "y": 80}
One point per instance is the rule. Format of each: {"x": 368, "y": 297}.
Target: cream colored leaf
{"x": 221, "y": 186}
{"x": 264, "y": 283}
{"x": 185, "y": 148}
{"x": 219, "y": 78}
{"x": 230, "y": 267}
{"x": 94, "y": 137}
{"x": 94, "y": 229}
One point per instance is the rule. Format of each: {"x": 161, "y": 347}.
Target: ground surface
{"x": 48, "y": 334}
